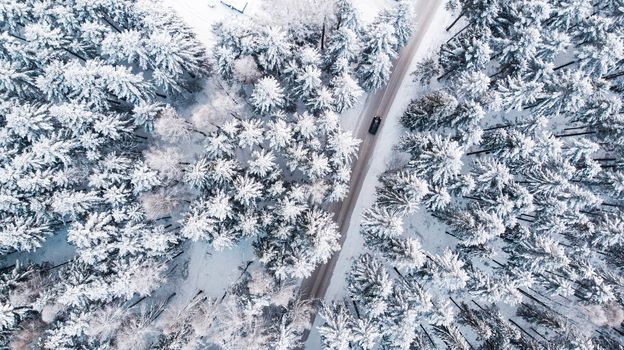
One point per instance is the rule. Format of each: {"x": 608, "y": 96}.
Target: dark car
{"x": 374, "y": 125}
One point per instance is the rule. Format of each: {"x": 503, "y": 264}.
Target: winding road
{"x": 315, "y": 286}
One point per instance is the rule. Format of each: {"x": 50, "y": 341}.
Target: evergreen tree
{"x": 267, "y": 96}
{"x": 402, "y": 19}
{"x": 378, "y": 51}
{"x": 433, "y": 157}
{"x": 347, "y": 15}
{"x": 369, "y": 284}
{"x": 344, "y": 43}
{"x": 374, "y": 71}
{"x": 273, "y": 49}
{"x": 308, "y": 82}
{"x": 431, "y": 111}
{"x": 336, "y": 332}
{"x": 345, "y": 91}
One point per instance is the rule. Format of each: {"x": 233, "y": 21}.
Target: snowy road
{"x": 315, "y": 286}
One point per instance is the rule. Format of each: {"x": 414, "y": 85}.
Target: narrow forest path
{"x": 315, "y": 287}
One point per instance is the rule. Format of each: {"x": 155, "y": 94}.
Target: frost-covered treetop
{"x": 82, "y": 84}
{"x": 274, "y": 191}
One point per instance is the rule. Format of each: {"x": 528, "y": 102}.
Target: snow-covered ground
{"x": 55, "y": 250}
{"x": 370, "y": 8}
{"x": 201, "y": 15}
{"x": 383, "y": 155}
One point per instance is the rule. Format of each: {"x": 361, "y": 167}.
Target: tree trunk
{"x": 538, "y": 333}
{"x": 173, "y": 229}
{"x": 428, "y": 336}
{"x": 576, "y": 134}
{"x": 565, "y": 65}
{"x": 452, "y": 235}
{"x": 481, "y": 151}
{"x": 245, "y": 269}
{"x": 533, "y": 298}
{"x": 446, "y": 73}
{"x": 474, "y": 198}
{"x": 357, "y": 311}
{"x": 454, "y": 302}
{"x": 199, "y": 132}
{"x": 459, "y": 32}
{"x": 505, "y": 126}
{"x": 75, "y": 54}
{"x": 57, "y": 266}
{"x": 613, "y": 76}
{"x": 523, "y": 219}
{"x": 495, "y": 56}
{"x": 398, "y": 272}
{"x": 323, "y": 36}
{"x": 497, "y": 263}
{"x": 461, "y": 14}
{"x": 577, "y": 127}
{"x": 531, "y": 106}
{"x": 17, "y": 37}
{"x": 522, "y": 329}
{"x": 110, "y": 23}
{"x": 137, "y": 302}
{"x": 479, "y": 306}
{"x": 177, "y": 255}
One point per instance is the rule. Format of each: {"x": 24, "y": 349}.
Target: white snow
{"x": 383, "y": 155}
{"x": 370, "y": 8}
{"x": 212, "y": 271}
{"x": 56, "y": 250}
{"x": 201, "y": 15}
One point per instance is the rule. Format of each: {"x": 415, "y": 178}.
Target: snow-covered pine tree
{"x": 308, "y": 82}
{"x": 377, "y": 54}
{"x": 374, "y": 71}
{"x": 347, "y": 15}
{"x": 267, "y": 96}
{"x": 430, "y": 112}
{"x": 344, "y": 43}
{"x": 77, "y": 98}
{"x": 426, "y": 70}
{"x": 433, "y": 157}
{"x": 401, "y": 17}
{"x": 273, "y": 49}
{"x": 470, "y": 51}
{"x": 258, "y": 312}
{"x": 336, "y": 331}
{"x": 345, "y": 91}
{"x": 370, "y": 284}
